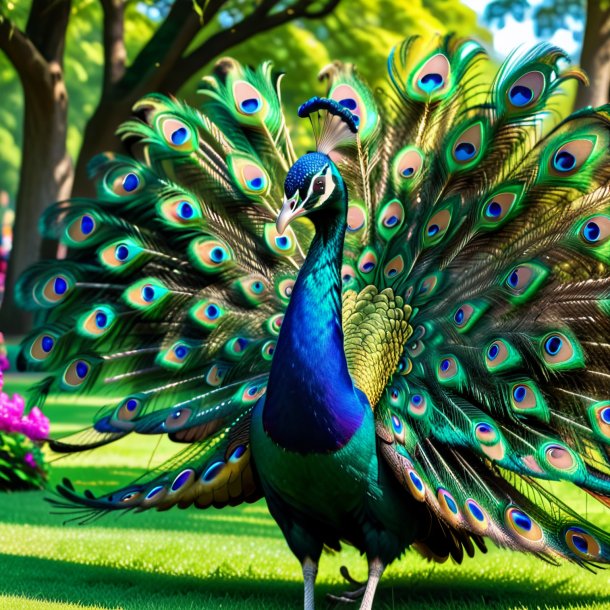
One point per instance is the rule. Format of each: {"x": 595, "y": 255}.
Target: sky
{"x": 516, "y": 33}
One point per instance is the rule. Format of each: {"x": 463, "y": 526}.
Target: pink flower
{"x": 35, "y": 425}
{"x": 30, "y": 460}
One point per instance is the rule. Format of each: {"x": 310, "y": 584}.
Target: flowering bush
{"x": 22, "y": 464}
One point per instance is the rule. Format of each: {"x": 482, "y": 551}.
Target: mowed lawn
{"x": 234, "y": 558}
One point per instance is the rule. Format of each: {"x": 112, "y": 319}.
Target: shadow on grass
{"x": 69, "y": 582}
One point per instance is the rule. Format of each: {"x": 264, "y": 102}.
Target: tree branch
{"x": 46, "y": 28}
{"x": 20, "y": 51}
{"x": 260, "y": 20}
{"x": 115, "y": 54}
{"x": 160, "y": 54}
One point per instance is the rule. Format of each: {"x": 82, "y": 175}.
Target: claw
{"x": 339, "y": 599}
{"x": 347, "y": 597}
{"x": 347, "y": 576}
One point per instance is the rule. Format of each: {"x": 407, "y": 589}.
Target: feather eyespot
{"x": 431, "y": 80}
{"x": 399, "y": 428}
{"x": 467, "y": 146}
{"x": 250, "y": 177}
{"x": 501, "y": 355}
{"x": 273, "y": 324}
{"x": 126, "y": 184}
{"x": 526, "y": 399}
{"x": 146, "y": 294}
{"x": 215, "y": 376}
{"x": 570, "y": 157}
{"x": 76, "y": 373}
{"x": 390, "y": 219}
{"x": 394, "y": 267}
{"x": 250, "y": 393}
{"x": 349, "y": 98}
{"x": 181, "y": 212}
{"x": 207, "y": 313}
{"x": 185, "y": 478}
{"x": 253, "y": 289}
{"x": 526, "y": 90}
{"x": 489, "y": 440}
{"x": 126, "y": 412}
{"x": 407, "y": 164}
{"x": 437, "y": 227}
{"x": 175, "y": 356}
{"x": 42, "y": 346}
{"x": 583, "y": 544}
{"x": 599, "y": 417}
{"x": 121, "y": 255}
{"x": 238, "y": 454}
{"x": 405, "y": 366}
{"x": 498, "y": 208}
{"x": 463, "y": 316}
{"x": 154, "y": 495}
{"x": 177, "y": 419}
{"x": 476, "y": 516}
{"x": 559, "y": 458}
{"x": 356, "y": 218}
{"x": 212, "y": 472}
{"x": 559, "y": 351}
{"x": 428, "y": 286}
{"x": 210, "y": 255}
{"x": 284, "y": 288}
{"x": 416, "y": 348}
{"x": 280, "y": 245}
{"x": 523, "y": 280}
{"x": 248, "y": 100}
{"x": 522, "y": 525}
{"x": 596, "y": 230}
{"x": 268, "y": 350}
{"x": 449, "y": 370}
{"x": 177, "y": 134}
{"x": 415, "y": 484}
{"x": 418, "y": 406}
{"x": 396, "y": 396}
{"x": 97, "y": 322}
{"x": 236, "y": 347}
{"x": 130, "y": 497}
{"x": 368, "y": 261}
{"x": 53, "y": 290}
{"x": 81, "y": 228}
{"x": 448, "y": 506}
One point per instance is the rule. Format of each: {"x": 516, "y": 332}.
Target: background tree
{"x": 165, "y": 61}
{"x": 551, "y": 15}
{"x": 114, "y": 52}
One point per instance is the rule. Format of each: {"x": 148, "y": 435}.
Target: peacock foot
{"x": 348, "y": 596}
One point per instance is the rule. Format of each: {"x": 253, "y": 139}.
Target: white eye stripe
{"x": 329, "y": 185}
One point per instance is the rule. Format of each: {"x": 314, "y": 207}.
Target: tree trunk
{"x": 100, "y": 136}
{"x": 595, "y": 56}
{"x": 46, "y": 177}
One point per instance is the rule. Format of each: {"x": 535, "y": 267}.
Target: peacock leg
{"x": 310, "y": 570}
{"x": 376, "y": 569}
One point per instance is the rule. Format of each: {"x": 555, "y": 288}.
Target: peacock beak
{"x": 291, "y": 208}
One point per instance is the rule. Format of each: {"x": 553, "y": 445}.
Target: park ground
{"x": 234, "y": 558}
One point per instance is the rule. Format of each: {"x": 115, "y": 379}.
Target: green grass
{"x": 234, "y": 558}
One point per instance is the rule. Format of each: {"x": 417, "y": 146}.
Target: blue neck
{"x": 311, "y": 404}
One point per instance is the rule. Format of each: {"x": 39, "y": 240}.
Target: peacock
{"x": 395, "y": 339}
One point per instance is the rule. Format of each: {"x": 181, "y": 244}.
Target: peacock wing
{"x": 489, "y": 215}
{"x": 173, "y": 293}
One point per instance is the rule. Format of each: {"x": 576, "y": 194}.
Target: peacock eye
{"x": 319, "y": 184}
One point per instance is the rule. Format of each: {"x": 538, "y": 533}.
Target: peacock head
{"x": 313, "y": 185}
